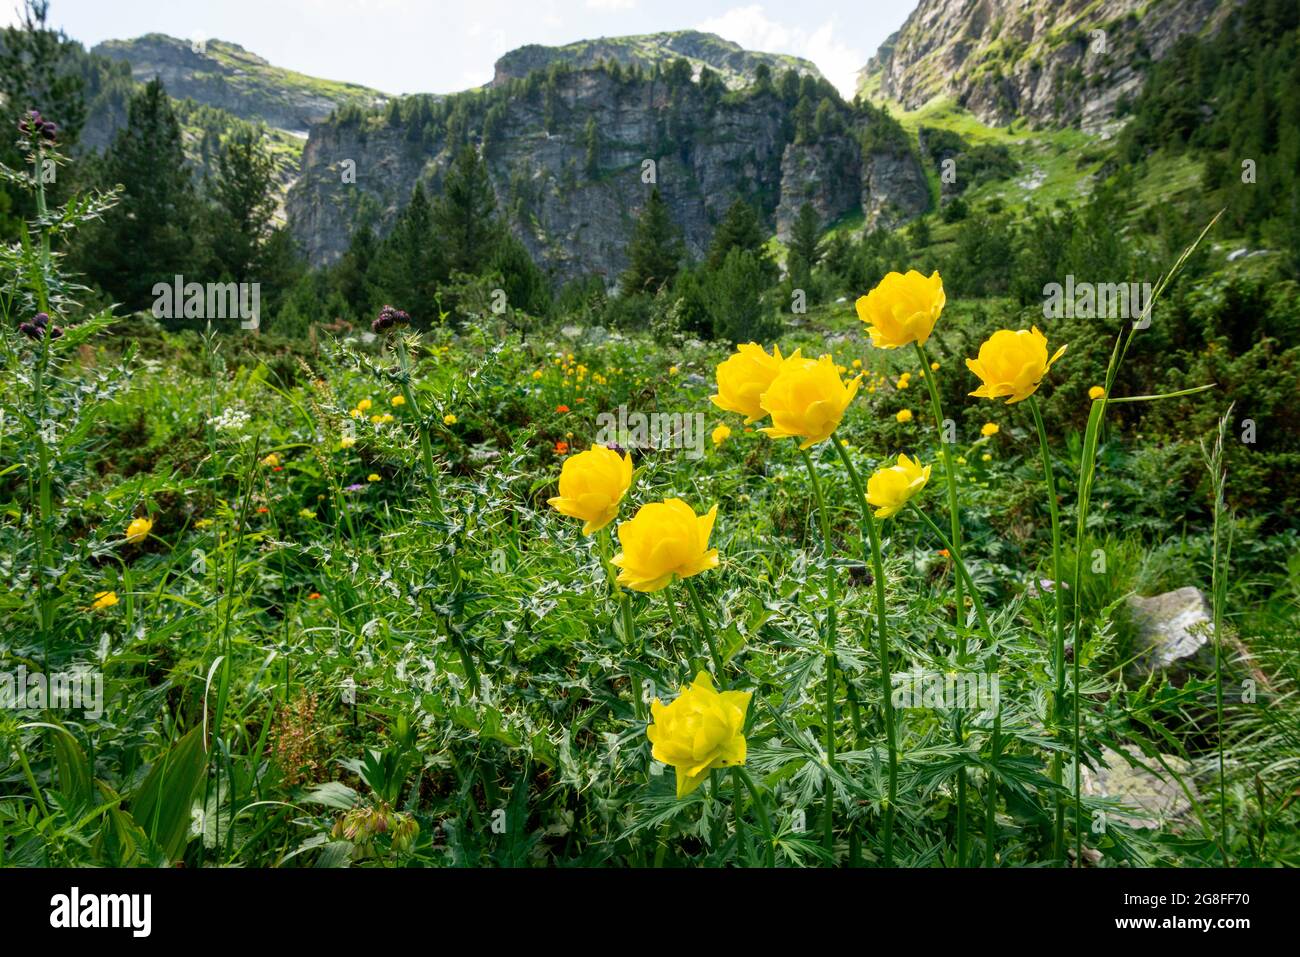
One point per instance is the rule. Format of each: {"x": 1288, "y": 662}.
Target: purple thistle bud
{"x": 49, "y": 131}
{"x": 56, "y": 332}
{"x": 30, "y": 330}
{"x": 42, "y": 319}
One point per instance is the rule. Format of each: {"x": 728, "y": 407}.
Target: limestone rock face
{"x": 1050, "y": 61}
{"x": 1174, "y": 630}
{"x": 567, "y": 157}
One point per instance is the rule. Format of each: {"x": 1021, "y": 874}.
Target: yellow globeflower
{"x": 721, "y": 434}
{"x": 904, "y": 415}
{"x": 989, "y": 428}
{"x": 700, "y": 730}
{"x": 373, "y": 477}
{"x": 902, "y": 309}
{"x": 889, "y": 489}
{"x": 1012, "y": 364}
{"x": 397, "y": 400}
{"x": 664, "y": 539}
{"x": 807, "y": 399}
{"x": 744, "y": 377}
{"x": 364, "y": 405}
{"x": 271, "y": 460}
{"x": 347, "y": 441}
{"x": 138, "y": 530}
{"x": 449, "y": 419}
{"x": 104, "y": 599}
{"x": 592, "y": 484}
{"x": 1096, "y": 392}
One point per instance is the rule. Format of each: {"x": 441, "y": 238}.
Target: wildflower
{"x": 356, "y": 413}
{"x": 397, "y": 400}
{"x": 138, "y": 530}
{"x": 989, "y": 428}
{"x": 961, "y": 460}
{"x": 354, "y": 487}
{"x": 1012, "y": 364}
{"x": 857, "y": 363}
{"x": 807, "y": 400}
{"x": 721, "y": 434}
{"x": 364, "y": 405}
{"x": 306, "y": 513}
{"x": 262, "y": 510}
{"x": 889, "y": 489}
{"x": 743, "y": 378}
{"x": 1096, "y": 392}
{"x": 388, "y": 318}
{"x": 103, "y": 599}
{"x": 537, "y": 374}
{"x": 203, "y": 523}
{"x": 943, "y": 553}
{"x": 313, "y": 596}
{"x": 561, "y": 408}
{"x": 904, "y": 381}
{"x": 701, "y": 729}
{"x": 986, "y": 457}
{"x": 449, "y": 419}
{"x": 902, "y": 309}
{"x": 672, "y": 370}
{"x": 592, "y": 485}
{"x": 561, "y": 448}
{"x": 664, "y": 539}
{"x": 373, "y": 477}
{"x": 271, "y": 460}
{"x": 347, "y": 441}
{"x": 934, "y": 367}
{"x": 904, "y": 415}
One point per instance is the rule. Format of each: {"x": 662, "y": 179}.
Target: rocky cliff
{"x": 737, "y": 66}
{"x": 225, "y": 75}
{"x": 1049, "y": 61}
{"x": 568, "y": 155}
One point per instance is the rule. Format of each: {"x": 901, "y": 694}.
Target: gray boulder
{"x": 1173, "y": 630}
{"x": 1156, "y": 799}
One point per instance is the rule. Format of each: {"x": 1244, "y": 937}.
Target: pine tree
{"x": 464, "y": 217}
{"x": 741, "y": 229}
{"x": 412, "y": 263}
{"x": 149, "y": 236}
{"x": 805, "y": 246}
{"x": 244, "y": 193}
{"x": 656, "y": 249}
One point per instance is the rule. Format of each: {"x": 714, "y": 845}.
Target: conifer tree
{"x": 656, "y": 249}
{"x": 464, "y": 217}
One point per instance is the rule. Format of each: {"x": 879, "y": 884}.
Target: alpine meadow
{"x": 659, "y": 456}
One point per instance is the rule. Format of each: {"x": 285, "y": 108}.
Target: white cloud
{"x": 611, "y": 5}
{"x": 752, "y": 28}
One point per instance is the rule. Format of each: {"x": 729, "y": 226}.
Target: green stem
{"x": 707, "y": 630}
{"x": 625, "y": 610}
{"x": 955, "y": 522}
{"x": 882, "y": 637}
{"x": 426, "y": 445}
{"x": 1058, "y": 647}
{"x": 760, "y": 811}
{"x": 829, "y": 640}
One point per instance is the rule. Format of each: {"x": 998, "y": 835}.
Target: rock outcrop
{"x": 1173, "y": 630}
{"x": 569, "y": 157}
{"x": 737, "y": 66}
{"x": 1049, "y": 61}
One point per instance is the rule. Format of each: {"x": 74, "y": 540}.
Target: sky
{"x": 409, "y": 46}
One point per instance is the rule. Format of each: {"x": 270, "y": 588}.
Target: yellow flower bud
{"x": 363, "y": 405}
{"x": 744, "y": 377}
{"x": 989, "y": 428}
{"x": 592, "y": 484}
{"x": 138, "y": 530}
{"x": 1012, "y": 364}
{"x": 807, "y": 400}
{"x": 104, "y": 599}
{"x": 902, "y": 309}
{"x": 721, "y": 434}
{"x": 397, "y": 400}
{"x": 700, "y": 730}
{"x": 904, "y": 415}
{"x": 664, "y": 539}
{"x": 889, "y": 489}
{"x": 1096, "y": 392}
